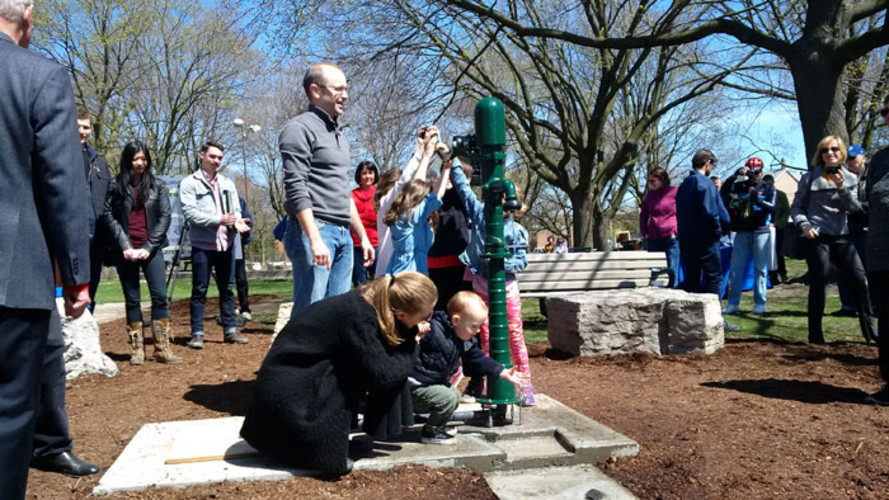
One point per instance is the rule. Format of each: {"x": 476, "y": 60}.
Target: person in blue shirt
{"x": 410, "y": 231}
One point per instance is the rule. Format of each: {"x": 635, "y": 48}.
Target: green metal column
{"x": 490, "y": 130}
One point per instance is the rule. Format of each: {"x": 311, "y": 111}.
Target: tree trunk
{"x": 819, "y": 98}
{"x": 581, "y": 225}
{"x": 600, "y": 230}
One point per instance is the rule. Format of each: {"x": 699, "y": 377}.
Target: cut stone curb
{"x": 209, "y": 451}
{"x": 579, "y": 482}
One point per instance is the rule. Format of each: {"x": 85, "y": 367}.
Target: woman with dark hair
{"x": 312, "y": 378}
{"x": 366, "y": 176}
{"x": 657, "y": 221}
{"x": 137, "y": 215}
{"x": 820, "y": 211}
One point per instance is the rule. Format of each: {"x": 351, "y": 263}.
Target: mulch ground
{"x": 755, "y": 420}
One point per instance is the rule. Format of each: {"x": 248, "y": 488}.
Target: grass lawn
{"x": 785, "y": 319}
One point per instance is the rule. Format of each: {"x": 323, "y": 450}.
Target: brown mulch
{"x": 755, "y": 420}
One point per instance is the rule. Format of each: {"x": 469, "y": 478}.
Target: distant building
{"x": 787, "y": 181}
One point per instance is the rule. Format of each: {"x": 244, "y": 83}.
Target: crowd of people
{"x": 390, "y": 280}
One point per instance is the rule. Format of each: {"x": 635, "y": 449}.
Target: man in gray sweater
{"x": 315, "y": 156}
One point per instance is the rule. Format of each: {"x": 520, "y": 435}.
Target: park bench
{"x": 548, "y": 275}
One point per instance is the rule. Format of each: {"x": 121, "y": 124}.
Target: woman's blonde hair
{"x": 408, "y": 292}
{"x": 822, "y": 145}
{"x": 406, "y": 201}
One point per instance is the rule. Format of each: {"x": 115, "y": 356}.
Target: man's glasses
{"x": 831, "y": 150}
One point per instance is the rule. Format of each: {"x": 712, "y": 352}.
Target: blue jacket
{"x": 514, "y": 235}
{"x": 700, "y": 213}
{"x": 441, "y": 352}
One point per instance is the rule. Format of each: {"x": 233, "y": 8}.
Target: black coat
{"x": 441, "y": 352}
{"x": 312, "y": 378}
{"x": 116, "y": 218}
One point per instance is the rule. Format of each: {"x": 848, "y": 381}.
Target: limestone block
{"x": 694, "y": 324}
{"x": 83, "y": 352}
{"x": 658, "y": 320}
{"x": 283, "y": 318}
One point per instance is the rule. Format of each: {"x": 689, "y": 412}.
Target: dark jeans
{"x": 202, "y": 263}
{"x": 879, "y": 291}
{"x": 154, "y": 271}
{"x": 449, "y": 281}
{"x": 361, "y": 274}
{"x": 701, "y": 260}
{"x": 51, "y": 435}
{"x": 241, "y": 285}
{"x": 841, "y": 251}
{"x": 22, "y": 351}
{"x": 670, "y": 247}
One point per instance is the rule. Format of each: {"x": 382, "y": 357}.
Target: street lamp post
{"x": 244, "y": 130}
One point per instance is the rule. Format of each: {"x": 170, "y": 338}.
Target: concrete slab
{"x": 579, "y": 482}
{"x": 208, "y": 451}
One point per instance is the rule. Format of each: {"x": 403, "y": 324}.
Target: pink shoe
{"x": 528, "y": 396}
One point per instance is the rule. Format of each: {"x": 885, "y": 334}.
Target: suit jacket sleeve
{"x": 59, "y": 182}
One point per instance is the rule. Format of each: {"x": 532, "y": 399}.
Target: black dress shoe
{"x": 64, "y": 463}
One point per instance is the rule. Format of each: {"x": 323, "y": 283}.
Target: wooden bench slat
{"x": 603, "y": 265}
{"x": 582, "y": 285}
{"x": 582, "y": 275}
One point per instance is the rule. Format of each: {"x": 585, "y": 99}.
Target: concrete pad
{"x": 579, "y": 482}
{"x": 209, "y": 451}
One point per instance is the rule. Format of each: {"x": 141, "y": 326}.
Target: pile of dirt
{"x": 755, "y": 420}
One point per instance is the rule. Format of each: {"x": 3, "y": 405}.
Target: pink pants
{"x": 516, "y": 332}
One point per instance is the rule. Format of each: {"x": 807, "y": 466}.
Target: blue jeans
{"x": 360, "y": 273}
{"x": 670, "y": 246}
{"x": 312, "y": 283}
{"x": 747, "y": 242}
{"x": 202, "y": 262}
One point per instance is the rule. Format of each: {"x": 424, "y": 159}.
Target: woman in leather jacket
{"x": 137, "y": 216}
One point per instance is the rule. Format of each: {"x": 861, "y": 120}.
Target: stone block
{"x": 283, "y": 318}
{"x": 83, "y": 352}
{"x": 662, "y": 321}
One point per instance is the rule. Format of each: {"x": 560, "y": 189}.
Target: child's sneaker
{"x": 466, "y": 399}
{"x": 450, "y": 430}
{"x": 436, "y": 435}
{"x": 528, "y": 396}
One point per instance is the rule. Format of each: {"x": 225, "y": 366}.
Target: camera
{"x": 831, "y": 170}
{"x": 466, "y": 146}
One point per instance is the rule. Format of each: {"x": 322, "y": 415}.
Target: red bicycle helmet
{"x": 754, "y": 163}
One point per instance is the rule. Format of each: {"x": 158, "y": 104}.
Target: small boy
{"x": 451, "y": 338}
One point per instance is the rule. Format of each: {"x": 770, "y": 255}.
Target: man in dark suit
{"x": 98, "y": 175}
{"x": 42, "y": 199}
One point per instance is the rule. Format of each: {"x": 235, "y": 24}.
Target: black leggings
{"x": 841, "y": 251}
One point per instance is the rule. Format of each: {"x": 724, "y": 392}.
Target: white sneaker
{"x": 759, "y": 309}
{"x": 730, "y": 309}
{"x": 246, "y": 315}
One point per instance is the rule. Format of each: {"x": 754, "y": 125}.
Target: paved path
{"x": 111, "y": 311}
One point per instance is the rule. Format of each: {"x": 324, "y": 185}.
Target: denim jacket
{"x": 199, "y": 205}
{"x": 514, "y": 235}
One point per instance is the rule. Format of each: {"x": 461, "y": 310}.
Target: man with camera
{"x": 315, "y": 157}
{"x": 751, "y": 204}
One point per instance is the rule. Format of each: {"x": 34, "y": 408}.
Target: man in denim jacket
{"x": 210, "y": 205}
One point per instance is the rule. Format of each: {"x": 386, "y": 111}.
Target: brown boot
{"x": 162, "y": 337}
{"x": 134, "y": 330}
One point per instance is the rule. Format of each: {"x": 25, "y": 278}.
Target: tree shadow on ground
{"x": 794, "y": 390}
{"x": 845, "y": 358}
{"x": 228, "y": 397}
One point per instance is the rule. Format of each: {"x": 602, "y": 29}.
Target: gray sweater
{"x": 819, "y": 203}
{"x": 878, "y": 199}
{"x": 315, "y": 156}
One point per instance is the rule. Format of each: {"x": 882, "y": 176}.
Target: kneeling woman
{"x": 137, "y": 215}
{"x": 325, "y": 359}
